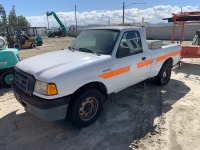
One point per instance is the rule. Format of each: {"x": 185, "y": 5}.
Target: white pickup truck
{"x": 75, "y": 82}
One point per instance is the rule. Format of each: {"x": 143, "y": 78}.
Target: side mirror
{"x": 123, "y": 52}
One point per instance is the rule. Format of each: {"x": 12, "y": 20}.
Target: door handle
{"x": 143, "y": 58}
{"x": 106, "y": 70}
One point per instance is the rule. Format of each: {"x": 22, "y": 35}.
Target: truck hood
{"x": 49, "y": 65}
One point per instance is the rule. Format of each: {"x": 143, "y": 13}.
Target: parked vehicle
{"x": 19, "y": 40}
{"x": 61, "y": 32}
{"x": 8, "y": 58}
{"x": 34, "y": 31}
{"x": 75, "y": 82}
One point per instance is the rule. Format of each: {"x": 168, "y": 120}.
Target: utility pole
{"x": 30, "y": 22}
{"x": 48, "y": 22}
{"x": 123, "y": 11}
{"x": 75, "y": 17}
{"x": 124, "y": 6}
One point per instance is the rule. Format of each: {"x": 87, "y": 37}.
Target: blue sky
{"x": 39, "y": 7}
{"x": 98, "y": 11}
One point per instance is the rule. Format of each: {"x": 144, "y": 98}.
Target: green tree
{"x": 3, "y": 18}
{"x": 22, "y": 21}
{"x": 17, "y": 21}
{"x": 12, "y": 18}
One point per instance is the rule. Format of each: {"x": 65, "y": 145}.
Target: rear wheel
{"x": 164, "y": 75}
{"x": 39, "y": 43}
{"x": 86, "y": 107}
{"x": 52, "y": 35}
{"x": 33, "y": 45}
{"x": 63, "y": 34}
{"x": 6, "y": 78}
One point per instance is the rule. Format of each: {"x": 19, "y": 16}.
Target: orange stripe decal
{"x": 168, "y": 55}
{"x": 162, "y": 57}
{"x": 144, "y": 63}
{"x": 122, "y": 70}
{"x": 175, "y": 53}
{"x": 115, "y": 72}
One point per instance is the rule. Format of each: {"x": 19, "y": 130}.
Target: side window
{"x": 130, "y": 44}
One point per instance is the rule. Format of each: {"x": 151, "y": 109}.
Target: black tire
{"x": 63, "y": 35}
{"x": 86, "y": 107}
{"x": 6, "y": 78}
{"x": 164, "y": 75}
{"x": 39, "y": 43}
{"x": 33, "y": 45}
{"x": 17, "y": 46}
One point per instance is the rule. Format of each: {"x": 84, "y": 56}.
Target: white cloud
{"x": 151, "y": 15}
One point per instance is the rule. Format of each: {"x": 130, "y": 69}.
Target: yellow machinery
{"x": 20, "y": 41}
{"x": 23, "y": 41}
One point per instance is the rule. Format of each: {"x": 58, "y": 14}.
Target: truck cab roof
{"x": 115, "y": 28}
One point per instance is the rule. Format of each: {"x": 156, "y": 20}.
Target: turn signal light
{"x": 51, "y": 89}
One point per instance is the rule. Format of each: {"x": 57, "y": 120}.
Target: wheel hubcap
{"x": 88, "y": 108}
{"x": 165, "y": 75}
{"x": 8, "y": 78}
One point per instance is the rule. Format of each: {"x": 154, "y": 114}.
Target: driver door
{"x": 129, "y": 56}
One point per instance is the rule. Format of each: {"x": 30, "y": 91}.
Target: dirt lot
{"x": 143, "y": 116}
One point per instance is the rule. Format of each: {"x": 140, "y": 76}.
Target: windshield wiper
{"x": 88, "y": 49}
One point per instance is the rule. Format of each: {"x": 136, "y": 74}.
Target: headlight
{"x": 43, "y": 88}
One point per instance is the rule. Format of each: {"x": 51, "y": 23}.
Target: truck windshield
{"x": 95, "y": 41}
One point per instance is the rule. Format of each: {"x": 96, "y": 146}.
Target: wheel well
{"x": 97, "y": 85}
{"x": 169, "y": 61}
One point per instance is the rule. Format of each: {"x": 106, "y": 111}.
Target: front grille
{"x": 24, "y": 81}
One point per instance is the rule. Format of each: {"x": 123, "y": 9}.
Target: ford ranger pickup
{"x": 75, "y": 82}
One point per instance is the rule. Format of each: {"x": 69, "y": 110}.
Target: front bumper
{"x": 50, "y": 110}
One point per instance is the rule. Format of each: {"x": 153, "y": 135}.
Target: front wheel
{"x": 17, "y": 46}
{"x": 86, "y": 107}
{"x": 164, "y": 75}
{"x": 6, "y": 78}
